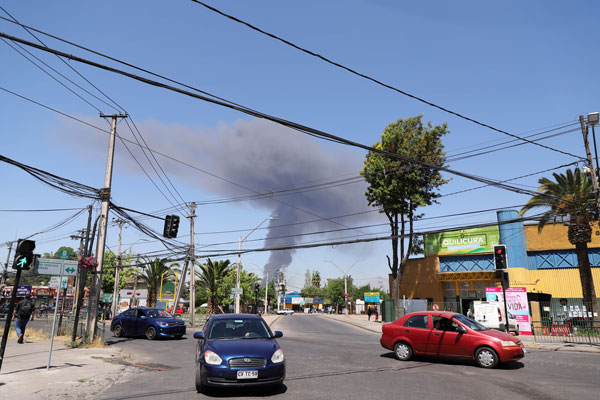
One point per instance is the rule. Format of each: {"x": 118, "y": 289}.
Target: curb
{"x": 354, "y": 324}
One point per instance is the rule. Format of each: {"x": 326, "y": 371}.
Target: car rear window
{"x": 417, "y": 321}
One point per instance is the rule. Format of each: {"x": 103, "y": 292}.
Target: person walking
{"x": 23, "y": 312}
{"x": 470, "y": 314}
{"x": 376, "y": 315}
{"x": 369, "y": 311}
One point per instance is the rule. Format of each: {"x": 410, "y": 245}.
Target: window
{"x": 129, "y": 313}
{"x": 418, "y": 321}
{"x": 443, "y": 324}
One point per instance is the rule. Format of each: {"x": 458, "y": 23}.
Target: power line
{"x": 378, "y": 82}
{"x": 281, "y": 121}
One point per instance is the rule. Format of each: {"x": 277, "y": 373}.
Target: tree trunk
{"x": 587, "y": 279}
{"x": 211, "y": 306}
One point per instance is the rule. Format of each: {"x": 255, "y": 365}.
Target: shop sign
{"x": 23, "y": 290}
{"x": 466, "y": 241}
{"x": 516, "y": 304}
{"x": 371, "y": 297}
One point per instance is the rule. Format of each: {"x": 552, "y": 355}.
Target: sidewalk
{"x": 362, "y": 321}
{"x": 73, "y": 373}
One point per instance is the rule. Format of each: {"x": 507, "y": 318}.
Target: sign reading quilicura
{"x": 467, "y": 241}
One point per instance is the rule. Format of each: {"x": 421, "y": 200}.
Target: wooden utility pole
{"x": 192, "y": 262}
{"x": 115, "y": 302}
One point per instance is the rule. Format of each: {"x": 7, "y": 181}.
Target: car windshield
{"x": 239, "y": 328}
{"x": 476, "y": 326}
{"x": 158, "y": 314}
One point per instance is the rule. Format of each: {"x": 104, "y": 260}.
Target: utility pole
{"x": 192, "y": 262}
{"x": 4, "y": 275}
{"x": 97, "y": 274}
{"x": 115, "y": 302}
{"x": 81, "y": 276}
{"x": 82, "y": 234}
{"x": 237, "y": 282}
{"x": 266, "y": 293}
{"x": 584, "y": 131}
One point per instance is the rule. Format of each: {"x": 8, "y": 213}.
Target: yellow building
{"x": 459, "y": 265}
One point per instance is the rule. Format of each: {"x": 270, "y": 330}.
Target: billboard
{"x": 516, "y": 304}
{"x": 372, "y": 297}
{"x": 466, "y": 241}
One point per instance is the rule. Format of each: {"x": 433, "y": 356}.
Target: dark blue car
{"x": 238, "y": 350}
{"x": 149, "y": 322}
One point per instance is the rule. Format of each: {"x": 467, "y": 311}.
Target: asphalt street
{"x": 327, "y": 359}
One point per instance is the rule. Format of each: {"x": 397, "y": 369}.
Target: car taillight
{"x": 499, "y": 315}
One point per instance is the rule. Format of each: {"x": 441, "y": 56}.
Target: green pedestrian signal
{"x": 24, "y": 254}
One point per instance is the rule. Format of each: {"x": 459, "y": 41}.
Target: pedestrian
{"x": 376, "y": 315}
{"x": 469, "y": 314}
{"x": 369, "y": 311}
{"x": 106, "y": 313}
{"x": 23, "y": 312}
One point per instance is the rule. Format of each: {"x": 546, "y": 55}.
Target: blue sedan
{"x": 238, "y": 350}
{"x": 149, "y": 322}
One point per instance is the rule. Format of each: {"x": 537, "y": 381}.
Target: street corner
{"x": 73, "y": 372}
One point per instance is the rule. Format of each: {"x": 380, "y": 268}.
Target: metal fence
{"x": 565, "y": 320}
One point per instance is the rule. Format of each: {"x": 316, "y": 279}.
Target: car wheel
{"x": 118, "y": 331}
{"x": 199, "y": 387}
{"x": 486, "y": 357}
{"x": 403, "y": 351}
{"x": 151, "y": 333}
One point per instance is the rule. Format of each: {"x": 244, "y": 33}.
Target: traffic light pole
{"x": 97, "y": 274}
{"x": 9, "y": 315}
{"x": 266, "y": 293}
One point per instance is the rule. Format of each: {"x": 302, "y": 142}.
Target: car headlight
{"x": 277, "y": 357}
{"x": 212, "y": 358}
{"x": 508, "y": 343}
{"x": 163, "y": 324}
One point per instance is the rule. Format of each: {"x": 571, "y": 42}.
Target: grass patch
{"x": 81, "y": 343}
{"x": 30, "y": 334}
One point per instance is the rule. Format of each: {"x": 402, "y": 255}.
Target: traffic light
{"x": 500, "y": 257}
{"x": 257, "y": 287}
{"x": 167, "y": 228}
{"x": 174, "y": 226}
{"x": 24, "y": 254}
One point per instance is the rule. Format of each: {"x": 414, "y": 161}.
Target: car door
{"x": 416, "y": 330}
{"x": 140, "y": 322}
{"x": 127, "y": 321}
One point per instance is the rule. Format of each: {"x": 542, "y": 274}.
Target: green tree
{"x": 571, "y": 200}
{"x": 334, "y": 291}
{"x": 316, "y": 279}
{"x": 312, "y": 291}
{"x": 247, "y": 281}
{"x": 210, "y": 277}
{"x": 398, "y": 188}
{"x": 153, "y": 272}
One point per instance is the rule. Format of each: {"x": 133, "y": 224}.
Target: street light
{"x": 237, "y": 285}
{"x": 345, "y": 271}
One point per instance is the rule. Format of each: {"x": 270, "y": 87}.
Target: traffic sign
{"x": 49, "y": 266}
{"x": 55, "y": 280}
{"x": 237, "y": 290}
{"x": 64, "y": 254}
{"x": 435, "y": 307}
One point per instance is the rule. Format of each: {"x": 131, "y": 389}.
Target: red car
{"x": 449, "y": 334}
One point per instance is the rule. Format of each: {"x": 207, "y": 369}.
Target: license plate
{"x": 247, "y": 374}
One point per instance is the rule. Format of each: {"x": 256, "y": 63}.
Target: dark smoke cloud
{"x": 262, "y": 156}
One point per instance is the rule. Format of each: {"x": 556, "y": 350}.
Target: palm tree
{"x": 316, "y": 279}
{"x": 211, "y": 276}
{"x": 571, "y": 200}
{"x": 153, "y": 273}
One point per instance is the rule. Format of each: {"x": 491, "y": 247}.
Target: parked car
{"x": 150, "y": 322}
{"x": 238, "y": 350}
{"x": 449, "y": 334}
{"x": 285, "y": 311}
{"x": 491, "y": 315}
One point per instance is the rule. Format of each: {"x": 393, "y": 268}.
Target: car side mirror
{"x": 142, "y": 316}
{"x": 461, "y": 329}
{"x": 198, "y": 335}
{"x": 277, "y": 334}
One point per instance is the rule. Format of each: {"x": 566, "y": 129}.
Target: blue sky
{"x": 518, "y": 67}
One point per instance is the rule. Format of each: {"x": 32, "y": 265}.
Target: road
{"x": 327, "y": 359}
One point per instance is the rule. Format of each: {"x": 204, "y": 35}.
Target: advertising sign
{"x": 372, "y": 297}
{"x": 23, "y": 290}
{"x": 516, "y": 304}
{"x": 467, "y": 241}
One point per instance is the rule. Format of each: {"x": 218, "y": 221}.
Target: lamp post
{"x": 237, "y": 284}
{"x": 345, "y": 271}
